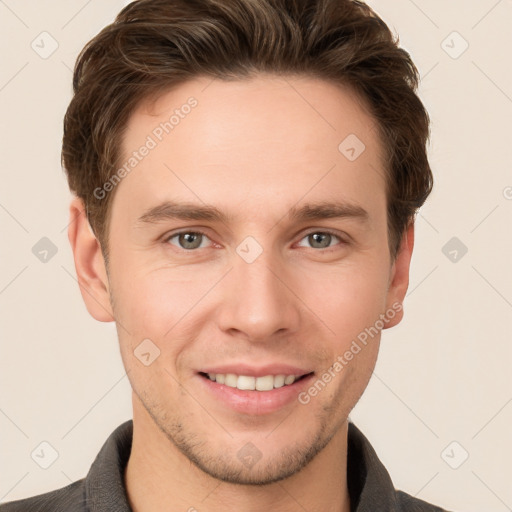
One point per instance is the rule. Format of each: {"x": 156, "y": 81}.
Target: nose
{"x": 257, "y": 300}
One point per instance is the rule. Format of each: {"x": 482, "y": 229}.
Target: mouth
{"x": 251, "y": 383}
{"x": 254, "y": 396}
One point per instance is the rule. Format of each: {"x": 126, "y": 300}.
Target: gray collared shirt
{"x": 102, "y": 490}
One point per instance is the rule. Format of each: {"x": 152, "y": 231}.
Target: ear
{"x": 399, "y": 277}
{"x": 89, "y": 264}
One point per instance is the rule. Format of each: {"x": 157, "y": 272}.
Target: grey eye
{"x": 320, "y": 239}
{"x": 188, "y": 240}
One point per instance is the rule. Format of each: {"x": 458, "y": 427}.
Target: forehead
{"x": 241, "y": 143}
{"x": 309, "y": 109}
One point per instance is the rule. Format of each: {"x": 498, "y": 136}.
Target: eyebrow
{"x": 169, "y": 210}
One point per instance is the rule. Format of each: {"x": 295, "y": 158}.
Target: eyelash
{"x": 198, "y": 232}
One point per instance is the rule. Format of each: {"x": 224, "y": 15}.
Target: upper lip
{"x": 257, "y": 371}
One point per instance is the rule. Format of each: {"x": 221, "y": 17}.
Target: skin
{"x": 254, "y": 149}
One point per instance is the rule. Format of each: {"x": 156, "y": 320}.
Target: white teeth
{"x": 279, "y": 381}
{"x": 231, "y": 380}
{"x": 246, "y": 382}
{"x": 265, "y": 383}
{"x": 289, "y": 379}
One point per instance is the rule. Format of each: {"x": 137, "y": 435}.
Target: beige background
{"x": 443, "y": 374}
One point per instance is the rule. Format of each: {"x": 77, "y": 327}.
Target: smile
{"x": 250, "y": 383}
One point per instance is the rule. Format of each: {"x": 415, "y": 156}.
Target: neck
{"x": 158, "y": 473}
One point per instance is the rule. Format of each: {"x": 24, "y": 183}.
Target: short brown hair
{"x": 154, "y": 45}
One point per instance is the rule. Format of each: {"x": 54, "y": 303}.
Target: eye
{"x": 321, "y": 239}
{"x": 188, "y": 240}
{"x": 191, "y": 240}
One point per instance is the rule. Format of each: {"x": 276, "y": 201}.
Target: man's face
{"x": 260, "y": 292}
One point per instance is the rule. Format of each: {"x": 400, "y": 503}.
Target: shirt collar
{"x": 370, "y": 486}
{"x": 104, "y": 484}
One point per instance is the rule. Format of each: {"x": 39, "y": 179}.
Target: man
{"x": 246, "y": 176}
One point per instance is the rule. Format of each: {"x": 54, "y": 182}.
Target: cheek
{"x": 151, "y": 303}
{"x": 148, "y": 310}
{"x": 348, "y": 298}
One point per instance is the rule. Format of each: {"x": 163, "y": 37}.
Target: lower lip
{"x": 256, "y": 402}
